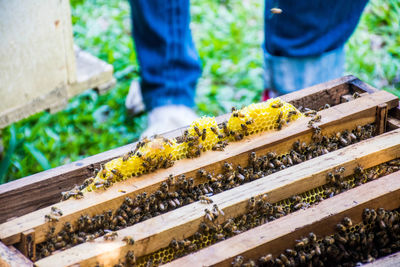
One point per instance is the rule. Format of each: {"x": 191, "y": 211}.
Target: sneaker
{"x": 268, "y": 93}
{"x": 134, "y": 101}
{"x": 167, "y": 118}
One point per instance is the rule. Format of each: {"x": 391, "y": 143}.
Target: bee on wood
{"x": 238, "y": 261}
{"x": 129, "y": 240}
{"x": 356, "y": 95}
{"x": 219, "y": 236}
{"x": 130, "y": 258}
{"x": 310, "y": 113}
{"x": 110, "y": 235}
{"x": 208, "y": 215}
{"x": 205, "y": 199}
{"x": 51, "y": 218}
{"x": 56, "y": 211}
{"x": 216, "y": 211}
{"x": 267, "y": 259}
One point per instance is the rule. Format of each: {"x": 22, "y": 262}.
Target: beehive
{"x": 287, "y": 170}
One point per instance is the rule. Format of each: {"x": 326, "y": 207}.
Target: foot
{"x": 134, "y": 100}
{"x": 268, "y": 93}
{"x": 167, "y": 118}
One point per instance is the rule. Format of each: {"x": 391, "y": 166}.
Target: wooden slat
{"x": 157, "y": 232}
{"x": 392, "y": 123}
{"x": 11, "y": 257}
{"x": 26, "y": 195}
{"x": 359, "y": 86}
{"x": 318, "y": 95}
{"x": 27, "y": 246}
{"x": 381, "y": 118}
{"x": 388, "y": 261}
{"x": 338, "y": 118}
{"x": 274, "y": 237}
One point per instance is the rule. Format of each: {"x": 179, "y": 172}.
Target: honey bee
{"x": 208, "y": 215}
{"x": 347, "y": 222}
{"x": 238, "y": 261}
{"x": 129, "y": 240}
{"x": 278, "y": 120}
{"x": 174, "y": 244}
{"x": 56, "y": 211}
{"x": 216, "y": 211}
{"x": 130, "y": 257}
{"x": 197, "y": 130}
{"x": 110, "y": 235}
{"x": 204, "y": 134}
{"x": 310, "y": 112}
{"x": 219, "y": 236}
{"x": 51, "y": 218}
{"x": 214, "y": 130}
{"x": 205, "y": 199}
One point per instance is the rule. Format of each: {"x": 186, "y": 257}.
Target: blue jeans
{"x": 303, "y": 46}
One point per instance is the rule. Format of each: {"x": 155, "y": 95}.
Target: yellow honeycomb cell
{"x": 209, "y": 139}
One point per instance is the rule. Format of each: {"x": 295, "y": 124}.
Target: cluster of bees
{"x": 178, "y": 191}
{"x": 260, "y": 211}
{"x": 202, "y": 135}
{"x": 351, "y": 245}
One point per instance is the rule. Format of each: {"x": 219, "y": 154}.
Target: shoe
{"x": 268, "y": 93}
{"x": 167, "y": 118}
{"x": 134, "y": 101}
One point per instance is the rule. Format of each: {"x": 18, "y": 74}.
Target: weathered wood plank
{"x": 11, "y": 257}
{"x": 27, "y": 194}
{"x": 157, "y": 232}
{"x": 381, "y": 118}
{"x": 318, "y": 95}
{"x": 276, "y": 236}
{"x": 338, "y": 118}
{"x": 27, "y": 246}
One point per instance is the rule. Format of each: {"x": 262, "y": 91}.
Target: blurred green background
{"x": 228, "y": 35}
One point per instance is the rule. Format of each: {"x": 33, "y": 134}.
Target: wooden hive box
{"x": 25, "y": 202}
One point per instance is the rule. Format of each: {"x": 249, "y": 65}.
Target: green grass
{"x": 228, "y": 35}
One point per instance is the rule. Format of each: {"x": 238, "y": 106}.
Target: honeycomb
{"x": 168, "y": 254}
{"x": 204, "y": 124}
{"x": 202, "y": 135}
{"x": 264, "y": 116}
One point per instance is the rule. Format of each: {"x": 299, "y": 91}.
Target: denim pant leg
{"x": 168, "y": 60}
{"x": 287, "y": 74}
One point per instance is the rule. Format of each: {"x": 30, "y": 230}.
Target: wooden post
{"x": 28, "y": 245}
{"x": 381, "y": 118}
{"x": 11, "y": 257}
{"x": 157, "y": 232}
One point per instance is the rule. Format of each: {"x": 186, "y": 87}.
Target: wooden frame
{"x": 157, "y": 232}
{"x": 276, "y": 236}
{"x": 22, "y": 197}
{"x": 345, "y": 116}
{"x": 27, "y": 194}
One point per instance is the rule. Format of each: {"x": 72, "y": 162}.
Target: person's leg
{"x": 304, "y": 44}
{"x": 169, "y": 64}
{"x": 287, "y": 74}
